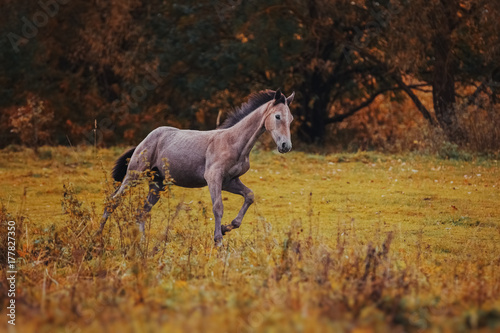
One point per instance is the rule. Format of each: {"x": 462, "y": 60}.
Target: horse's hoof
{"x": 226, "y": 228}
{"x": 218, "y": 241}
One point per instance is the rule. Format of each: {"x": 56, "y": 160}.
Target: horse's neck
{"x": 248, "y": 130}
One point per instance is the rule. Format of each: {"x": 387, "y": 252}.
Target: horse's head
{"x": 278, "y": 121}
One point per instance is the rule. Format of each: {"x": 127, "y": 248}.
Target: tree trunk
{"x": 312, "y": 128}
{"x": 443, "y": 79}
{"x": 314, "y": 109}
{"x": 443, "y": 88}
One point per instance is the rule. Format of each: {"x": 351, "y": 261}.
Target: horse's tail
{"x": 121, "y": 165}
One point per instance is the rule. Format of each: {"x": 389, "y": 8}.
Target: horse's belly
{"x": 185, "y": 158}
{"x": 189, "y": 181}
{"x": 186, "y": 176}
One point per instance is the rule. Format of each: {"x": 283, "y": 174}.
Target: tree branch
{"x": 407, "y": 89}
{"x": 340, "y": 117}
{"x": 472, "y": 98}
{"x": 420, "y": 106}
{"x": 419, "y": 87}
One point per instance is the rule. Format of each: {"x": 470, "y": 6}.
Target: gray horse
{"x": 216, "y": 158}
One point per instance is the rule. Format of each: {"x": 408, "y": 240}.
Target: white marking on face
{"x": 278, "y": 123}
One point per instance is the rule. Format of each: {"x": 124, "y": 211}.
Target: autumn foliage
{"x": 366, "y": 73}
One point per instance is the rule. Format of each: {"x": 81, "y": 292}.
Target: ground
{"x": 363, "y": 242}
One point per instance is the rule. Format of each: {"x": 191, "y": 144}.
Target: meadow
{"x": 362, "y": 242}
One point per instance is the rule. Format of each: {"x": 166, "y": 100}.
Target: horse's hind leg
{"x": 115, "y": 200}
{"x": 155, "y": 186}
{"x": 139, "y": 161}
{"x": 237, "y": 187}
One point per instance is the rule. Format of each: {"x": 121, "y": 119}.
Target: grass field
{"x": 360, "y": 242}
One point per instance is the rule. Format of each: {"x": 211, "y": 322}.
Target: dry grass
{"x": 346, "y": 242}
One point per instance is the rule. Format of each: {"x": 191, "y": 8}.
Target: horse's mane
{"x": 254, "y": 101}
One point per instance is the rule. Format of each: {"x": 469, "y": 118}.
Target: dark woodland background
{"x": 390, "y": 75}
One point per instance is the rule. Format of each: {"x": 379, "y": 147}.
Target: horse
{"x": 217, "y": 158}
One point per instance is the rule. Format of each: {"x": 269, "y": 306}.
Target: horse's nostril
{"x": 283, "y": 145}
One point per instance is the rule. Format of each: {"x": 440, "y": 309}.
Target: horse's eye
{"x": 278, "y": 117}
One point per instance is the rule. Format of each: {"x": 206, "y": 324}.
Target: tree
{"x": 304, "y": 43}
{"x": 134, "y": 65}
{"x": 349, "y": 52}
{"x": 451, "y": 45}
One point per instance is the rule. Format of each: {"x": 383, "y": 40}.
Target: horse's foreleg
{"x": 237, "y": 187}
{"x": 214, "y": 182}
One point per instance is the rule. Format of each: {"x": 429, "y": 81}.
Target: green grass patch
{"x": 334, "y": 242}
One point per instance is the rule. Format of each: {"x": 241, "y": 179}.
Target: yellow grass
{"x": 348, "y": 242}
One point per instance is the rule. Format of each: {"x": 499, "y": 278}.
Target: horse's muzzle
{"x": 285, "y": 147}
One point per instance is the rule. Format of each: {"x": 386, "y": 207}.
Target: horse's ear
{"x": 289, "y": 99}
{"x": 277, "y": 95}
